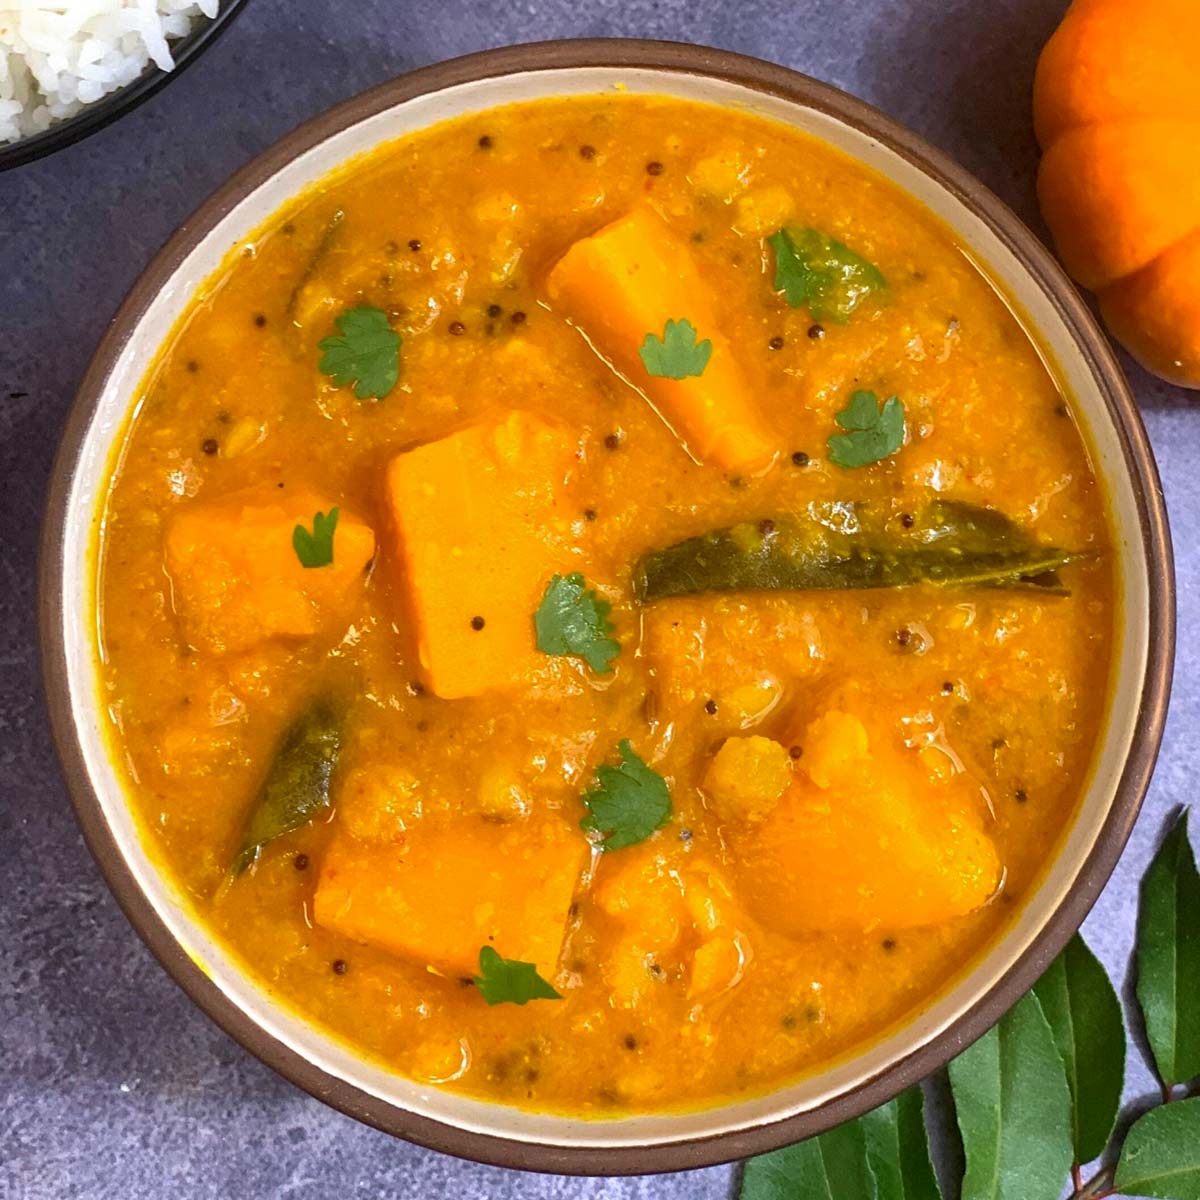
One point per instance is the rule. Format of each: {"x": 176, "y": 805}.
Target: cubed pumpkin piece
{"x": 865, "y": 839}
{"x": 441, "y": 894}
{"x": 671, "y": 915}
{"x": 746, "y": 777}
{"x": 626, "y": 282}
{"x": 639, "y": 887}
{"x": 237, "y": 580}
{"x": 476, "y": 514}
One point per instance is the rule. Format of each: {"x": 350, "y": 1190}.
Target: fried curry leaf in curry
{"x": 297, "y": 786}
{"x": 365, "y": 352}
{"x": 873, "y": 431}
{"x": 628, "y": 803}
{"x": 678, "y": 354}
{"x": 572, "y": 619}
{"x": 814, "y": 269}
{"x": 315, "y": 549}
{"x": 843, "y": 545}
{"x": 507, "y": 981}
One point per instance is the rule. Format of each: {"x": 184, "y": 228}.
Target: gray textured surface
{"x": 111, "y": 1084}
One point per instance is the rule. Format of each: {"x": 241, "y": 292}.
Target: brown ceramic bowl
{"x": 1078, "y": 867}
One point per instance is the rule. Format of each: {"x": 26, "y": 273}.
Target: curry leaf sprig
{"x": 1039, "y": 1096}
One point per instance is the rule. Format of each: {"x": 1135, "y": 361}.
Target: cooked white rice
{"x": 55, "y": 57}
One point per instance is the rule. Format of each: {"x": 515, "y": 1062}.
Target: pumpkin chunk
{"x": 866, "y": 840}
{"x": 747, "y": 776}
{"x": 237, "y": 580}
{"x": 626, "y": 282}
{"x": 475, "y": 513}
{"x": 440, "y": 894}
{"x": 669, "y": 915}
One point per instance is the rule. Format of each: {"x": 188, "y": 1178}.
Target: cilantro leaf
{"x": 316, "y": 549}
{"x": 572, "y": 620}
{"x": 678, "y": 354}
{"x": 366, "y": 352}
{"x": 629, "y": 802}
{"x": 814, "y": 269}
{"x": 874, "y": 432}
{"x": 507, "y": 981}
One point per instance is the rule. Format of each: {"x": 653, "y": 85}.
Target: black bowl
{"x": 116, "y": 104}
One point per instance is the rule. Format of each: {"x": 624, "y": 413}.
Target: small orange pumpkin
{"x": 1117, "y": 110}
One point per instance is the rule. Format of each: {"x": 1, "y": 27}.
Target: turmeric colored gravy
{"x": 426, "y": 787}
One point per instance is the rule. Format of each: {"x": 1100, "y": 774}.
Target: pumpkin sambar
{"x": 603, "y": 605}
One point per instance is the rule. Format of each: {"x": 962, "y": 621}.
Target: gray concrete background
{"x": 111, "y": 1084}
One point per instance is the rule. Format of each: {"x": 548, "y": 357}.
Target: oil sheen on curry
{"x": 603, "y": 606}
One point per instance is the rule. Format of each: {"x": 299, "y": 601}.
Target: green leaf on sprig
{"x": 1168, "y": 958}
{"x": 898, "y": 1149}
{"x": 1014, "y": 1109}
{"x": 1161, "y": 1155}
{"x": 365, "y": 352}
{"x": 315, "y": 549}
{"x": 873, "y": 431}
{"x": 508, "y": 981}
{"x": 1084, "y": 1013}
{"x": 628, "y": 804}
{"x": 678, "y": 354}
{"x": 814, "y": 269}
{"x": 833, "y": 1166}
{"x": 571, "y": 619}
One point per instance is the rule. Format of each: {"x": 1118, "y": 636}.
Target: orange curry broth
{"x": 460, "y": 224}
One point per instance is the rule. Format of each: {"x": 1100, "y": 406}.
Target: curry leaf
{"x": 297, "y": 785}
{"x": 629, "y": 802}
{"x": 1161, "y": 1155}
{"x": 678, "y": 354}
{"x": 833, "y": 1166}
{"x": 573, "y": 620}
{"x": 837, "y": 544}
{"x": 315, "y": 549}
{"x": 508, "y": 981}
{"x": 1085, "y": 1016}
{"x": 873, "y": 432}
{"x": 365, "y": 352}
{"x": 898, "y": 1149}
{"x": 814, "y": 269}
{"x": 1014, "y": 1110}
{"x": 1168, "y": 957}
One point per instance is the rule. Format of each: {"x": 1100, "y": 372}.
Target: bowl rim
{"x": 1059, "y": 925}
{"x": 112, "y": 107}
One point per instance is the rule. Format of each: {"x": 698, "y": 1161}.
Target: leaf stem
{"x": 1076, "y": 1176}
{"x": 1098, "y": 1187}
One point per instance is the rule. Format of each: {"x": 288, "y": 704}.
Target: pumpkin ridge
{"x": 1116, "y": 194}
